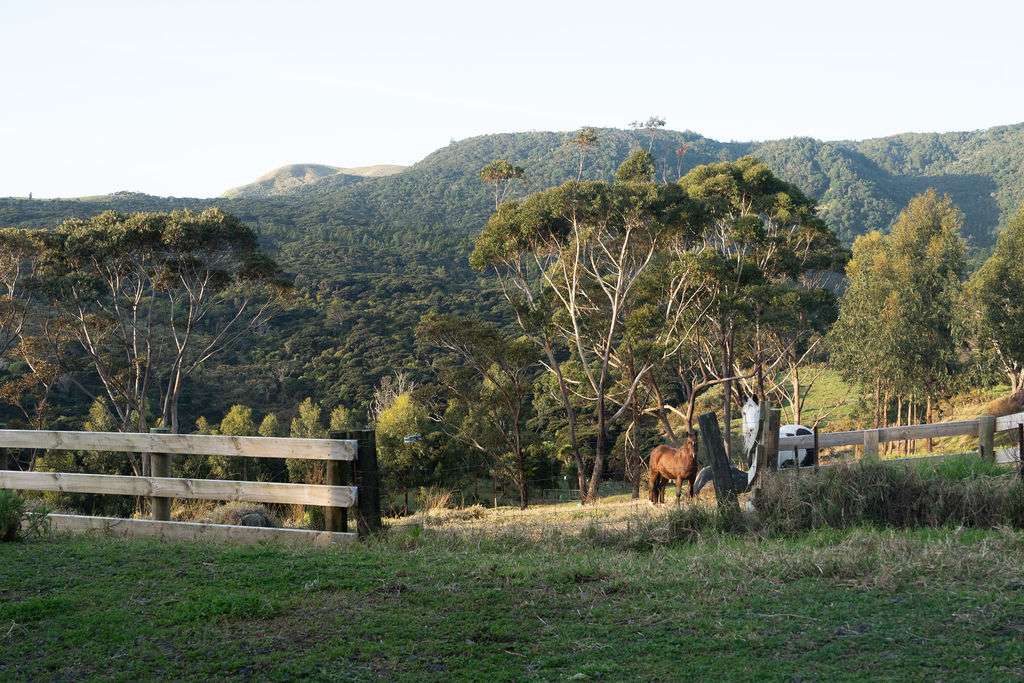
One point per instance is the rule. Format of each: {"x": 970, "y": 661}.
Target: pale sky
{"x": 191, "y": 98}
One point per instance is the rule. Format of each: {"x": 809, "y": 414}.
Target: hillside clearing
{"x": 865, "y": 604}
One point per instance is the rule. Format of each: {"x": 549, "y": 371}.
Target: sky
{"x": 192, "y": 98}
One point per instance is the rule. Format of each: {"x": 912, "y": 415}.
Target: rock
{"x": 255, "y": 519}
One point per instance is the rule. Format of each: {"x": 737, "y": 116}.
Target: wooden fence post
{"x": 770, "y": 436}
{"x": 160, "y": 466}
{"x": 870, "y": 444}
{"x": 987, "y": 437}
{"x": 336, "y": 518}
{"x": 817, "y": 449}
{"x": 1020, "y": 451}
{"x": 368, "y": 483}
{"x": 712, "y": 436}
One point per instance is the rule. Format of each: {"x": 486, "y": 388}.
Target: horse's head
{"x": 690, "y": 442}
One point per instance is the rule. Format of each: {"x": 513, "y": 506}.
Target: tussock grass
{"x": 434, "y": 498}
{"x": 954, "y": 493}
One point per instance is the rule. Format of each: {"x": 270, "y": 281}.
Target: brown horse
{"x": 673, "y": 464}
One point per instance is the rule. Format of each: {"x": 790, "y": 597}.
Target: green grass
{"x": 859, "y": 604}
{"x": 964, "y": 467}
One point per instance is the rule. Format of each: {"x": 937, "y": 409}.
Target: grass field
{"x": 423, "y": 605}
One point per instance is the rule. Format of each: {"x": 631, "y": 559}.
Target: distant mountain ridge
{"x": 860, "y": 185}
{"x": 295, "y": 176}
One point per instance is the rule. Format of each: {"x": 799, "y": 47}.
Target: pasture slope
{"x": 424, "y": 604}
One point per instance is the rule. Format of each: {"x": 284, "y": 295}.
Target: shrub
{"x": 889, "y": 495}
{"x": 18, "y": 519}
{"x": 12, "y": 512}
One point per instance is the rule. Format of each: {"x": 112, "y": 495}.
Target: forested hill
{"x": 370, "y": 257}
{"x": 860, "y": 185}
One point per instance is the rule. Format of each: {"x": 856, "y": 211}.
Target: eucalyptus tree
{"x": 584, "y": 139}
{"x": 20, "y": 251}
{"x": 151, "y": 297}
{"x": 574, "y": 255}
{"x": 789, "y": 331}
{"x": 652, "y": 124}
{"x": 993, "y": 305}
{"x": 30, "y": 339}
{"x": 896, "y": 319}
{"x": 501, "y": 174}
{"x": 762, "y": 235}
{"x": 489, "y": 378}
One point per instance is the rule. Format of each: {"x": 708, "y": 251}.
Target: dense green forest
{"x": 367, "y": 258}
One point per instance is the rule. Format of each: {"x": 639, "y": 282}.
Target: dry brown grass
{"x": 964, "y": 492}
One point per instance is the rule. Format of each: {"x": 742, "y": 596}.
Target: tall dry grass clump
{"x": 873, "y": 493}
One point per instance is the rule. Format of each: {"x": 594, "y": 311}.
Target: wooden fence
{"x": 351, "y": 452}
{"x": 984, "y": 428}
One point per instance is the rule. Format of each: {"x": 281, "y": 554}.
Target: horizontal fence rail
{"x": 903, "y": 433}
{"x": 181, "y": 444}
{"x": 192, "y": 489}
{"x": 193, "y": 531}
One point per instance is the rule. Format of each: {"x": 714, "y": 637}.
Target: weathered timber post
{"x": 871, "y": 444}
{"x": 770, "y": 437}
{"x": 1020, "y": 451}
{"x": 767, "y": 446}
{"x": 817, "y": 449}
{"x": 987, "y": 437}
{"x": 368, "y": 483}
{"x": 336, "y": 518}
{"x": 720, "y": 466}
{"x": 160, "y": 466}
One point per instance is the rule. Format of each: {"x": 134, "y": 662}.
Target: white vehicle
{"x": 751, "y": 412}
{"x": 806, "y": 456}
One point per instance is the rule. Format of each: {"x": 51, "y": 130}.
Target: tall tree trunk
{"x": 878, "y": 403}
{"x": 911, "y": 419}
{"x": 899, "y": 417}
{"x": 570, "y": 414}
{"x": 930, "y": 443}
{"x": 599, "y": 447}
{"x": 521, "y": 480}
{"x": 727, "y": 394}
{"x": 759, "y": 367}
{"x": 885, "y": 421}
{"x": 634, "y": 466}
{"x": 797, "y": 401}
{"x": 524, "y": 493}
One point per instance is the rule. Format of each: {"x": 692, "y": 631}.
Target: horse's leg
{"x": 679, "y": 490}
{"x": 691, "y": 480}
{"x": 654, "y": 488}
